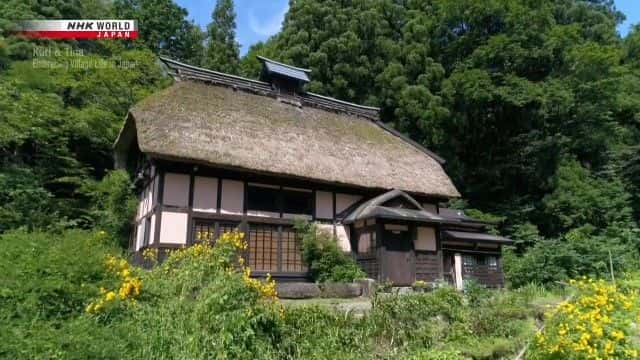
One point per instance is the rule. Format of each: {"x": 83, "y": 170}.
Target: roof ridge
{"x": 343, "y": 102}
{"x": 183, "y": 70}
{"x": 201, "y": 69}
{"x": 283, "y": 64}
{"x": 328, "y": 103}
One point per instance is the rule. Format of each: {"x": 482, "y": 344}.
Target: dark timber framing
{"x": 424, "y": 265}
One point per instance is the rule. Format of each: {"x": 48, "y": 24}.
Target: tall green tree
{"x": 223, "y": 52}
{"x": 58, "y": 122}
{"x": 164, "y": 28}
{"x": 505, "y": 90}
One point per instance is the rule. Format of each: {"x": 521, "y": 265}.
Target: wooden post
{"x": 613, "y": 279}
{"x": 457, "y": 266}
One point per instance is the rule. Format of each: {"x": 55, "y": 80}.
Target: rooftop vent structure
{"x": 285, "y": 78}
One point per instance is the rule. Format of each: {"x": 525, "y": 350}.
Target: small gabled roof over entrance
{"x": 398, "y": 205}
{"x": 393, "y": 205}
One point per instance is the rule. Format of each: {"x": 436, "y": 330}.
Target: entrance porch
{"x": 396, "y": 240}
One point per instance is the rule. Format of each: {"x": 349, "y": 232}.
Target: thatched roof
{"x": 239, "y": 128}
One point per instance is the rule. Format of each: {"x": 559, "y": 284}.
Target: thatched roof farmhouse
{"x": 216, "y": 151}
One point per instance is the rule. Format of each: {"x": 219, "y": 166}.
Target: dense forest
{"x": 535, "y": 106}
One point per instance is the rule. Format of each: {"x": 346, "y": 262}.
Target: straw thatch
{"x": 223, "y": 126}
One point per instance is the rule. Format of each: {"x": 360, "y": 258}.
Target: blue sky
{"x": 257, "y": 20}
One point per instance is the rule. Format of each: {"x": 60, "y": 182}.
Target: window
{"x": 291, "y": 252}
{"x": 492, "y": 261}
{"x": 263, "y": 199}
{"x": 204, "y": 231}
{"x": 468, "y": 260}
{"x": 147, "y": 230}
{"x": 263, "y": 248}
{"x": 274, "y": 248}
{"x": 211, "y": 230}
{"x": 271, "y": 248}
{"x": 297, "y": 202}
{"x": 367, "y": 243}
{"x": 426, "y": 239}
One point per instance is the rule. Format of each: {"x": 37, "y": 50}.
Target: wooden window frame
{"x": 260, "y": 258}
{"x": 218, "y": 227}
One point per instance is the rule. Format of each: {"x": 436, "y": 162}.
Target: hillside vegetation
{"x": 201, "y": 303}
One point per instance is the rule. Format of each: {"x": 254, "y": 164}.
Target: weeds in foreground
{"x": 201, "y": 303}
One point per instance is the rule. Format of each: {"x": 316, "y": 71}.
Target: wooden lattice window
{"x": 263, "y": 248}
{"x": 274, "y": 248}
{"x": 211, "y": 230}
{"x": 291, "y": 252}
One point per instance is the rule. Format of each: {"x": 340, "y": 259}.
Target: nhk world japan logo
{"x": 79, "y": 29}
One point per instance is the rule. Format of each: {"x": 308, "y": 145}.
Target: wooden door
{"x": 399, "y": 258}
{"x": 448, "y": 270}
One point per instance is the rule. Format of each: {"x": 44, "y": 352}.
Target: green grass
{"x": 192, "y": 309}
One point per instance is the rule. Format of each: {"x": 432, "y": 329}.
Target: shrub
{"x": 47, "y": 280}
{"x": 596, "y": 323}
{"x": 315, "y": 332}
{"x": 47, "y": 276}
{"x": 114, "y": 203}
{"x": 581, "y": 251}
{"x": 201, "y": 302}
{"x": 327, "y": 262}
{"x": 417, "y": 318}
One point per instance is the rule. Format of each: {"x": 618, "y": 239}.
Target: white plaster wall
{"x": 328, "y": 228}
{"x": 152, "y": 229}
{"x": 176, "y": 190}
{"x": 342, "y": 233}
{"x": 232, "y": 197}
{"x": 139, "y": 235}
{"x": 205, "y": 194}
{"x": 324, "y": 205}
{"x": 426, "y": 239}
{"x": 343, "y": 201}
{"x": 140, "y": 209}
{"x": 152, "y": 191}
{"x": 146, "y": 204}
{"x": 173, "y": 228}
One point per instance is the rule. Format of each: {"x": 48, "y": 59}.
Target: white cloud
{"x": 266, "y": 24}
